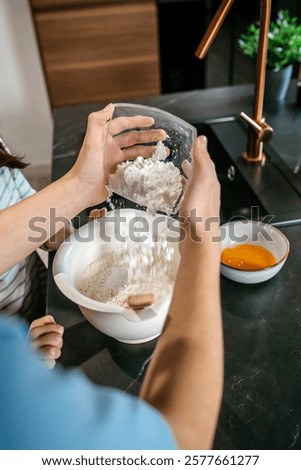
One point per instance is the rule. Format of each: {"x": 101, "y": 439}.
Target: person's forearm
{"x": 185, "y": 377}
{"x": 59, "y": 237}
{"x": 28, "y": 224}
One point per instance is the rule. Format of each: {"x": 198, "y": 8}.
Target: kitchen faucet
{"x": 259, "y": 131}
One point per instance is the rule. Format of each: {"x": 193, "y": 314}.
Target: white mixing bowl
{"x": 95, "y": 239}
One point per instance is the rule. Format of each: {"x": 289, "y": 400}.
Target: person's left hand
{"x": 47, "y": 336}
{"x": 200, "y": 207}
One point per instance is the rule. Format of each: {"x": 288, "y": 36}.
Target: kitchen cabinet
{"x": 95, "y": 50}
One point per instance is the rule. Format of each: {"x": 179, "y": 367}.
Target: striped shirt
{"x": 23, "y": 287}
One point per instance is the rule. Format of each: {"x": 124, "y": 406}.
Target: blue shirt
{"x": 58, "y": 409}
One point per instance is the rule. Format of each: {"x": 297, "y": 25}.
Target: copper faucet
{"x": 259, "y": 131}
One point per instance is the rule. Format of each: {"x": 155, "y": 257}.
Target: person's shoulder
{"x": 17, "y": 175}
{"x": 12, "y": 175}
{"x": 131, "y": 423}
{"x": 6, "y": 173}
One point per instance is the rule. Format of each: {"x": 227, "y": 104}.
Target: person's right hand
{"x": 200, "y": 207}
{"x": 107, "y": 143}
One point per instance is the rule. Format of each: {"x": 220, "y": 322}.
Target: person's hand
{"x": 47, "y": 336}
{"x": 107, "y": 143}
{"x": 200, "y": 206}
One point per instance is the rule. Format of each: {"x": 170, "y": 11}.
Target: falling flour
{"x": 150, "y": 182}
{"x": 141, "y": 267}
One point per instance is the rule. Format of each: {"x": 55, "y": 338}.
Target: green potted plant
{"x": 284, "y": 48}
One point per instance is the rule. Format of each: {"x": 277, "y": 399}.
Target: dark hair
{"x": 11, "y": 161}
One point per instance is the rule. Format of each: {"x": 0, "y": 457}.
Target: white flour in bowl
{"x": 149, "y": 182}
{"x": 141, "y": 267}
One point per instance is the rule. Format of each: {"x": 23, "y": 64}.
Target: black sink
{"x": 250, "y": 190}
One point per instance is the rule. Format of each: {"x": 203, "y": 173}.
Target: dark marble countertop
{"x": 261, "y": 406}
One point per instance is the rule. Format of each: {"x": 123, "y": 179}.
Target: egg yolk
{"x": 248, "y": 257}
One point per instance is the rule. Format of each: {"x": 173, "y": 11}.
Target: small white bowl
{"x": 255, "y": 233}
{"x": 88, "y": 243}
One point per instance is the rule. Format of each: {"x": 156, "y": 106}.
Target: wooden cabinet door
{"x": 103, "y": 53}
